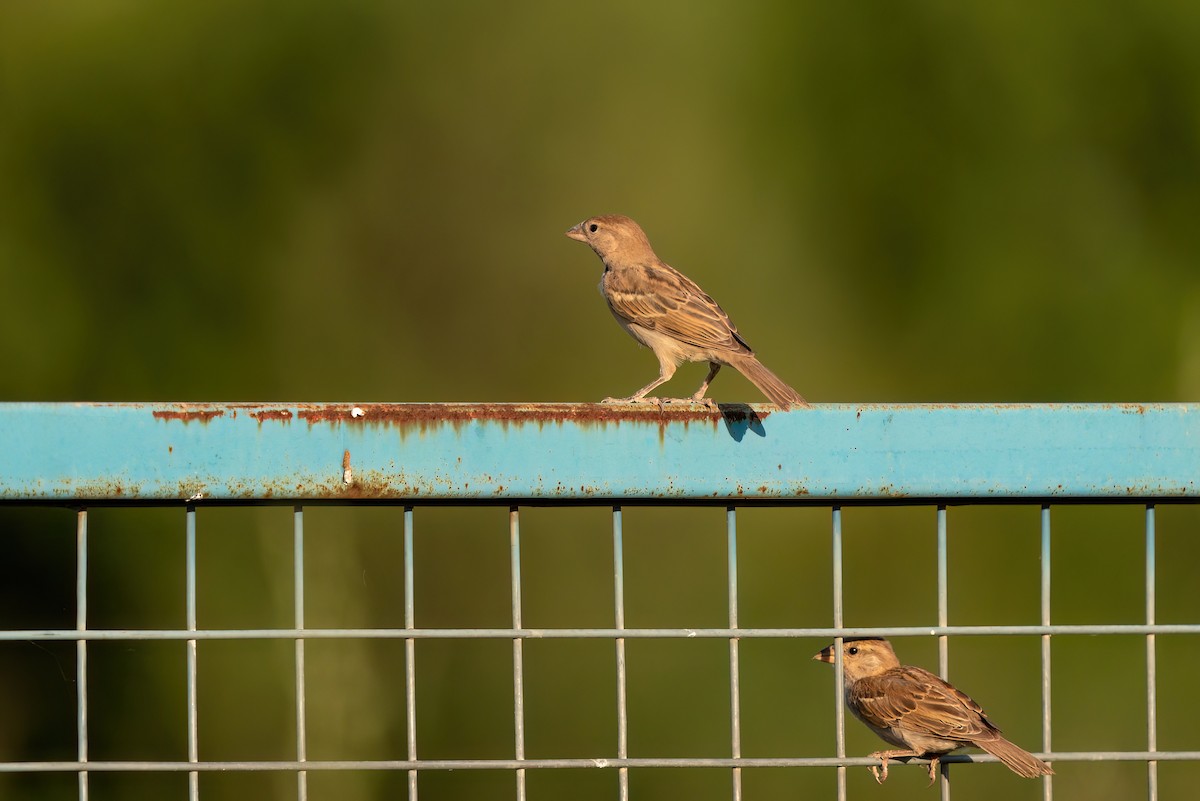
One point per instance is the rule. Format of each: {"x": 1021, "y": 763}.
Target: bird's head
{"x": 616, "y": 239}
{"x": 862, "y": 656}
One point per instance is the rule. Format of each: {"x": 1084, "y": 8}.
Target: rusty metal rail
{"x": 128, "y": 452}
{"x": 193, "y": 455}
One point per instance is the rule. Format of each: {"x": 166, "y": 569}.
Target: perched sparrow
{"x": 914, "y": 709}
{"x": 664, "y": 310}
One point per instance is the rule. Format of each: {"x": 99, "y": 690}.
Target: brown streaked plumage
{"x": 918, "y": 711}
{"x": 667, "y": 312}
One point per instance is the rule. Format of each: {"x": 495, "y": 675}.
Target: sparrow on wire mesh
{"x": 667, "y": 312}
{"x": 914, "y": 709}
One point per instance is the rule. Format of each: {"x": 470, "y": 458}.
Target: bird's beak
{"x": 824, "y": 655}
{"x": 577, "y": 233}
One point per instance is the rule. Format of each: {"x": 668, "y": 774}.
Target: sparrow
{"x": 914, "y": 709}
{"x": 667, "y": 312}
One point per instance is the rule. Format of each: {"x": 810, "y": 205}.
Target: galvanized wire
{"x": 839, "y": 710}
{"x": 1151, "y": 664}
{"x": 604, "y": 763}
{"x": 410, "y": 654}
{"x": 622, "y": 763}
{"x": 81, "y": 663}
{"x": 1048, "y": 780}
{"x": 943, "y": 601}
{"x": 193, "y": 742}
{"x": 619, "y": 621}
{"x": 735, "y": 699}
{"x": 301, "y": 708}
{"x": 514, "y": 530}
{"x": 684, "y": 633}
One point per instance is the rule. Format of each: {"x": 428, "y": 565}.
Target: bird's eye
{"x": 852, "y": 651}
{"x": 593, "y": 228}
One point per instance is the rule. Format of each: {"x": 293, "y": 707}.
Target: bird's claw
{"x": 880, "y": 778}
{"x": 880, "y": 772}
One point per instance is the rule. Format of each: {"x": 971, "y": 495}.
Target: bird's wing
{"x": 663, "y": 299}
{"x": 916, "y": 700}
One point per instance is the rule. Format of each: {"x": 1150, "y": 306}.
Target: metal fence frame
{"x": 1154, "y": 461}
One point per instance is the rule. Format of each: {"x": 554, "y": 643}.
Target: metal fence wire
{"x": 193, "y": 458}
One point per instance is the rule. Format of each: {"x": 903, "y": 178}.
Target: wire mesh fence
{"x": 620, "y": 766}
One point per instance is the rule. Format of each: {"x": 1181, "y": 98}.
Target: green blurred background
{"x": 362, "y": 201}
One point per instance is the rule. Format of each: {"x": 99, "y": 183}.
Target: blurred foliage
{"x": 365, "y": 201}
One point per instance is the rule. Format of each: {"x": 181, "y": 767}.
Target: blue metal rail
{"x": 121, "y": 452}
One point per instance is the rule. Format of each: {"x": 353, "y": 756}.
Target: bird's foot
{"x": 880, "y": 777}
{"x": 703, "y": 401}
{"x": 933, "y": 769}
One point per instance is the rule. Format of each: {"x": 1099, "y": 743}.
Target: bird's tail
{"x": 768, "y": 383}
{"x": 1019, "y": 761}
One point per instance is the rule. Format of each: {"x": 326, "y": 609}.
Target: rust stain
{"x": 187, "y": 416}
{"x": 892, "y": 408}
{"x": 540, "y": 414}
{"x": 99, "y": 488}
{"x": 423, "y": 417}
{"x": 263, "y": 415}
